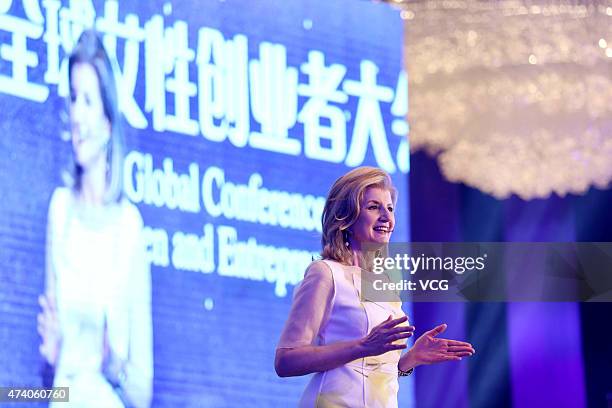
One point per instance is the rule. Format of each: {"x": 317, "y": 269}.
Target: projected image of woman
{"x": 354, "y": 347}
{"x": 95, "y": 322}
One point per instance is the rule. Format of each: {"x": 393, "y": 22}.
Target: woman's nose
{"x": 75, "y": 109}
{"x": 384, "y": 215}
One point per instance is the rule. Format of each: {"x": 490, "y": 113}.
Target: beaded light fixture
{"x": 512, "y": 97}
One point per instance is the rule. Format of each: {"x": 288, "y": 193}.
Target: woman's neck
{"x": 93, "y": 182}
{"x": 364, "y": 260}
{"x": 360, "y": 257}
{"x": 363, "y": 257}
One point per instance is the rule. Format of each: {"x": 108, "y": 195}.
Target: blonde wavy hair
{"x": 342, "y": 209}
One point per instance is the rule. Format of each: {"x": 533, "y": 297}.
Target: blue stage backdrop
{"x": 239, "y": 116}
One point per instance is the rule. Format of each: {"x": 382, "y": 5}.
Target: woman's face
{"x": 376, "y": 218}
{"x": 89, "y": 127}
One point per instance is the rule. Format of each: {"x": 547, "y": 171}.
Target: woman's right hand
{"x": 382, "y": 338}
{"x": 49, "y": 330}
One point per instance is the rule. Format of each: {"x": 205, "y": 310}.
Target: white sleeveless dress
{"x": 101, "y": 282}
{"x": 327, "y": 308}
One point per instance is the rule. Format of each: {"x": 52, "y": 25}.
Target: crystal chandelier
{"x": 512, "y": 97}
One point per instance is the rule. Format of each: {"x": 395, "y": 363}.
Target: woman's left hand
{"x": 112, "y": 365}
{"x": 49, "y": 329}
{"x": 429, "y": 349}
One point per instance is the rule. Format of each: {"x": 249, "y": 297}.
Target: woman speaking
{"x": 354, "y": 346}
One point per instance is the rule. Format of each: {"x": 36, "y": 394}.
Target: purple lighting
{"x": 544, "y": 339}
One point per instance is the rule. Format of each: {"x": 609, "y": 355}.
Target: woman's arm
{"x": 297, "y": 352}
{"x": 429, "y": 349}
{"x": 309, "y": 359}
{"x": 135, "y": 375}
{"x": 47, "y": 320}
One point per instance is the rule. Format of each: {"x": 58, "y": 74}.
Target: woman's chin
{"x": 379, "y": 240}
{"x": 382, "y": 238}
{"x": 80, "y": 160}
{"x": 85, "y": 156}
